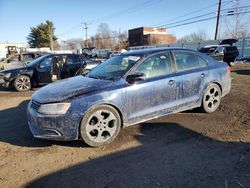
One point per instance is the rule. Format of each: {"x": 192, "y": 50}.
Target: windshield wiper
{"x": 109, "y": 78}
{"x": 102, "y": 77}
{"x": 95, "y": 77}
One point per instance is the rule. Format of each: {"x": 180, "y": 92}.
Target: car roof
{"x": 148, "y": 51}
{"x": 214, "y": 46}
{"x": 65, "y": 54}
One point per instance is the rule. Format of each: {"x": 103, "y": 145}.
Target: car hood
{"x": 68, "y": 88}
{"x": 13, "y": 69}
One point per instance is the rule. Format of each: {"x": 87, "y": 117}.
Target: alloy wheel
{"x": 101, "y": 126}
{"x": 22, "y": 83}
{"x": 212, "y": 98}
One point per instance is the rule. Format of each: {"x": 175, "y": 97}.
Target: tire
{"x": 211, "y": 98}
{"x": 100, "y": 125}
{"x": 22, "y": 83}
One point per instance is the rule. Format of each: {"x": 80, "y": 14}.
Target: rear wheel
{"x": 100, "y": 125}
{"x": 22, "y": 83}
{"x": 212, "y": 98}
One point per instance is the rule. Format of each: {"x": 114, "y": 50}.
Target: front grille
{"x": 35, "y": 105}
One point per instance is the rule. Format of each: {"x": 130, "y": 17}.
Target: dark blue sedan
{"x": 127, "y": 89}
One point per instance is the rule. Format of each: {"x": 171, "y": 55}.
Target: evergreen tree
{"x": 41, "y": 35}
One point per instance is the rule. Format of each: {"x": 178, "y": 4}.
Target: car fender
{"x": 28, "y": 73}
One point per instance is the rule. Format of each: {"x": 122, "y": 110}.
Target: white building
{"x": 4, "y": 50}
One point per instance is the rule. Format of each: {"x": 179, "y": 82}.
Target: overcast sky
{"x": 17, "y": 16}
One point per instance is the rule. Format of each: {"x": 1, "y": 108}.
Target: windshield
{"x": 114, "y": 67}
{"x": 37, "y": 60}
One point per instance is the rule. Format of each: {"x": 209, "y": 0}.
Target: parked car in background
{"x": 42, "y": 70}
{"x": 225, "y": 51}
{"x": 127, "y": 89}
{"x": 20, "y": 59}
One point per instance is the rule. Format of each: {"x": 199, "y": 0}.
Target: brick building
{"x": 149, "y": 36}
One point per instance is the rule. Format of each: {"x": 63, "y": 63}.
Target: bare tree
{"x": 193, "y": 37}
{"x": 235, "y": 24}
{"x": 73, "y": 44}
{"x": 108, "y": 39}
{"x": 105, "y": 33}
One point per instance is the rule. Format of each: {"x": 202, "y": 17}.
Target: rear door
{"x": 71, "y": 65}
{"x": 191, "y": 73}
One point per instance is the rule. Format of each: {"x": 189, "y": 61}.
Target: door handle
{"x": 171, "y": 82}
{"x": 203, "y": 75}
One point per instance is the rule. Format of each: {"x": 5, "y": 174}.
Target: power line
{"x": 203, "y": 15}
{"x": 205, "y": 19}
{"x": 194, "y": 12}
{"x": 129, "y": 10}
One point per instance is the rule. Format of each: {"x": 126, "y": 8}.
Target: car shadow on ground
{"x": 242, "y": 72}
{"x": 13, "y": 90}
{"x": 10, "y": 89}
{"x": 169, "y": 156}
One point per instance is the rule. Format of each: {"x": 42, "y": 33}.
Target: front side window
{"x": 46, "y": 62}
{"x": 114, "y": 67}
{"x": 156, "y": 65}
{"x": 188, "y": 60}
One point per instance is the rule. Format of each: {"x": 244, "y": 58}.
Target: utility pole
{"x": 119, "y": 39}
{"x": 86, "y": 32}
{"x": 51, "y": 38}
{"x": 218, "y": 20}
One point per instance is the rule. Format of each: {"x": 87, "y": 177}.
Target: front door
{"x": 155, "y": 95}
{"x": 43, "y": 70}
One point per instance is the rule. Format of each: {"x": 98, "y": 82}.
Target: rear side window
{"x": 188, "y": 60}
{"x": 231, "y": 49}
{"x": 71, "y": 59}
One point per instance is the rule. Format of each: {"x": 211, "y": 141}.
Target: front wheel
{"x": 100, "y": 125}
{"x": 212, "y": 98}
{"x": 22, "y": 83}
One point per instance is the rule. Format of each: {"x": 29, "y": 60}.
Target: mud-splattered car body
{"x": 136, "y": 102}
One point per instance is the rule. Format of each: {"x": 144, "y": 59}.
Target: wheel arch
{"x": 107, "y": 104}
{"x": 25, "y": 74}
{"x": 217, "y": 83}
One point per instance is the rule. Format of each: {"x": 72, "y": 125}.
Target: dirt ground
{"x": 189, "y": 149}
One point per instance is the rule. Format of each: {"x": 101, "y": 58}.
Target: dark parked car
{"x": 225, "y": 51}
{"x": 42, "y": 70}
{"x": 127, "y": 89}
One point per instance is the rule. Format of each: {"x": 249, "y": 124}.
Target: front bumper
{"x": 52, "y": 127}
{"x": 3, "y": 81}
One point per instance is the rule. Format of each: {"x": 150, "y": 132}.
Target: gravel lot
{"x": 189, "y": 149}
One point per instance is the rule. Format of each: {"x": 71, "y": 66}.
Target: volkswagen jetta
{"x": 127, "y": 89}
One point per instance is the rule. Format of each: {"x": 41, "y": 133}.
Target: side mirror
{"x": 82, "y": 72}
{"x": 41, "y": 66}
{"x": 135, "y": 77}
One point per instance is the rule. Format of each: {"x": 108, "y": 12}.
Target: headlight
{"x": 54, "y": 109}
{"x": 7, "y": 76}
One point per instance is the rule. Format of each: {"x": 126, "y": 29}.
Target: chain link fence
{"x": 243, "y": 46}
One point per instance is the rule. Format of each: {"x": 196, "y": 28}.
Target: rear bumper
{"x": 226, "y": 86}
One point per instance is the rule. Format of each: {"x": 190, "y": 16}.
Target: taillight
{"x": 228, "y": 69}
